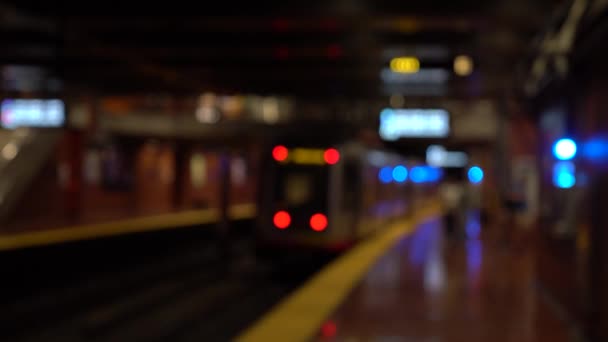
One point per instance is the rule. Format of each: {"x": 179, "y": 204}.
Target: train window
{"x": 298, "y": 189}
{"x": 238, "y": 171}
{"x": 198, "y": 170}
{"x": 352, "y": 176}
{"x": 302, "y": 187}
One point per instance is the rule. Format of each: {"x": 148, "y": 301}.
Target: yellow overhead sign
{"x": 405, "y": 65}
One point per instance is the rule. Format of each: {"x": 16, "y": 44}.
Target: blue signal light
{"x": 564, "y": 149}
{"x": 385, "y": 175}
{"x": 400, "y": 174}
{"x": 596, "y": 149}
{"x": 434, "y": 174}
{"x": 475, "y": 174}
{"x": 424, "y": 174}
{"x": 418, "y": 174}
{"x": 563, "y": 175}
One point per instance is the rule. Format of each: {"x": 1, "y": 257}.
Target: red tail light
{"x": 318, "y": 222}
{"x": 331, "y": 156}
{"x": 282, "y": 219}
{"x": 280, "y": 153}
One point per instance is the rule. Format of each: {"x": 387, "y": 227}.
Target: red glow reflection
{"x": 329, "y": 329}
{"x": 281, "y": 53}
{"x": 334, "y": 51}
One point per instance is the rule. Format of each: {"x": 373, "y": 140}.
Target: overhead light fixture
{"x": 463, "y": 65}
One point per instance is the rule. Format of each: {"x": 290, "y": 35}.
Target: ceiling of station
{"x": 313, "y": 48}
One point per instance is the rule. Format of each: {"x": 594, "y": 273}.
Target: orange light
{"x": 331, "y": 156}
{"x": 318, "y": 222}
{"x": 281, "y": 219}
{"x": 280, "y": 153}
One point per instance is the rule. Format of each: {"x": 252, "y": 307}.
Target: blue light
{"x": 424, "y": 174}
{"x": 386, "y": 114}
{"x": 596, "y": 150}
{"x": 434, "y": 174}
{"x": 385, "y": 175}
{"x": 475, "y": 174}
{"x": 418, "y": 174}
{"x": 563, "y": 175}
{"x": 399, "y": 173}
{"x": 564, "y": 149}
{"x": 473, "y": 225}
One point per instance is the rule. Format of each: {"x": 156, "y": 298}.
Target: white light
{"x": 564, "y": 149}
{"x": 435, "y": 155}
{"x": 10, "y": 150}
{"x": 207, "y": 114}
{"x": 270, "y": 110}
{"x": 413, "y": 123}
{"x": 32, "y": 113}
{"x": 438, "y": 156}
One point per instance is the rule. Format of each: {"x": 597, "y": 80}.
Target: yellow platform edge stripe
{"x": 300, "y": 315}
{"x": 120, "y": 227}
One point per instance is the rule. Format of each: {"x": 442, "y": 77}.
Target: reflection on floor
{"x": 433, "y": 288}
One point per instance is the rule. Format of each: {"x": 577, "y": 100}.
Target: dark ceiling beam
{"x": 305, "y": 24}
{"x": 246, "y": 55}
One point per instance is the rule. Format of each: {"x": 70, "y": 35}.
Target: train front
{"x": 299, "y": 198}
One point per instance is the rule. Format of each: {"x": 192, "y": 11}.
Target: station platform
{"x": 412, "y": 283}
{"x": 56, "y": 231}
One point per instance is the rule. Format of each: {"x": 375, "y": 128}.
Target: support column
{"x": 224, "y": 202}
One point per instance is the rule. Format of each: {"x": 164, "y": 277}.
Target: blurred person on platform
{"x": 454, "y": 201}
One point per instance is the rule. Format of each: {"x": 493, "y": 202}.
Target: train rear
{"x": 324, "y": 197}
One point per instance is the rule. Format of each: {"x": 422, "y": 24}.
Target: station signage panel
{"x": 38, "y": 113}
{"x": 438, "y": 156}
{"x": 414, "y": 123}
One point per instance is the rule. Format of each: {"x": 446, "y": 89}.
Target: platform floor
{"x": 54, "y": 231}
{"x": 428, "y": 287}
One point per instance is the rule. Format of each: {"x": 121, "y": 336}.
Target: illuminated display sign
{"x": 406, "y": 65}
{"x": 414, "y": 123}
{"x": 422, "y": 76}
{"x": 32, "y": 113}
{"x": 306, "y": 156}
{"x": 438, "y": 156}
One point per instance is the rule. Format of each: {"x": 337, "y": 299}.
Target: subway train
{"x": 327, "y": 198}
